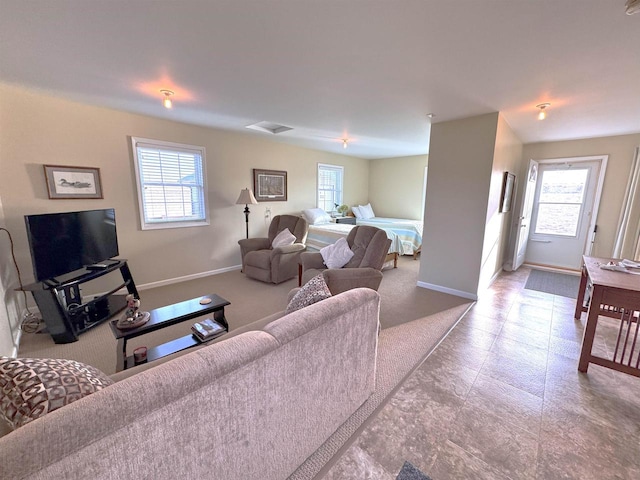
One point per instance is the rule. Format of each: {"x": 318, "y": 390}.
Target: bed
{"x": 408, "y": 232}
{"x": 327, "y": 233}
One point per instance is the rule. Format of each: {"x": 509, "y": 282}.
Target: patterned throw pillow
{"x": 311, "y": 292}
{"x": 32, "y": 387}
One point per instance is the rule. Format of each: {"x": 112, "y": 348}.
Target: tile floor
{"x": 501, "y": 398}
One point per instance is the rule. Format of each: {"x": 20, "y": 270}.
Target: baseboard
{"x": 450, "y": 291}
{"x": 194, "y": 276}
{"x": 548, "y": 268}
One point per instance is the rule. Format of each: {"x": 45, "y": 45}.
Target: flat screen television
{"x": 61, "y": 243}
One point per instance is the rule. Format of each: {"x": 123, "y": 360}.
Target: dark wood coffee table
{"x": 164, "y": 317}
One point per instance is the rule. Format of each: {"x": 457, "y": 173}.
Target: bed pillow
{"x": 356, "y": 211}
{"x": 316, "y": 216}
{"x": 32, "y": 387}
{"x": 367, "y": 211}
{"x": 337, "y": 254}
{"x": 311, "y": 292}
{"x": 284, "y": 238}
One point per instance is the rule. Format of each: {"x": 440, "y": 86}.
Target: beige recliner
{"x": 370, "y": 246}
{"x": 274, "y": 265}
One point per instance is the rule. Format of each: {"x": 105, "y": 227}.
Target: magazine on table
{"x": 207, "y": 329}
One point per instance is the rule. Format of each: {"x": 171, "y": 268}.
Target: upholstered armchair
{"x": 260, "y": 260}
{"x": 370, "y": 246}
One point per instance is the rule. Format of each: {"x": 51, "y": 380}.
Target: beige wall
{"x": 507, "y": 158}
{"x": 39, "y": 129}
{"x": 620, "y": 150}
{"x": 396, "y": 186}
{"x": 460, "y": 173}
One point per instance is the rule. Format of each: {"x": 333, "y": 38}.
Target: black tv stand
{"x": 62, "y": 308}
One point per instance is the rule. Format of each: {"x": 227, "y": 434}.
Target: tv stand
{"x": 61, "y": 306}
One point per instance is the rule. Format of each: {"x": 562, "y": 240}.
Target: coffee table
{"x": 164, "y": 317}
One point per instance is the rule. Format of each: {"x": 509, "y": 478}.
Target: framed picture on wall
{"x": 507, "y": 192}
{"x": 270, "y": 185}
{"x": 72, "y": 182}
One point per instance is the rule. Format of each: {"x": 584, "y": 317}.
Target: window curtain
{"x": 627, "y": 243}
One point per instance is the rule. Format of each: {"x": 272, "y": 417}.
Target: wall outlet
{"x": 267, "y": 212}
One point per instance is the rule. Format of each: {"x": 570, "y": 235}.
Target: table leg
{"x": 121, "y": 354}
{"x": 590, "y": 328}
{"x": 583, "y": 287}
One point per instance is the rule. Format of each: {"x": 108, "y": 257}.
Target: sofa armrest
{"x": 312, "y": 260}
{"x": 342, "y": 279}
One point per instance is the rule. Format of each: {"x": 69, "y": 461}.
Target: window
{"x": 171, "y": 184}
{"x": 560, "y": 203}
{"x": 330, "y": 179}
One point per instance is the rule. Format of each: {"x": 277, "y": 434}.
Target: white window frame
{"x": 200, "y": 189}
{"x": 337, "y": 190}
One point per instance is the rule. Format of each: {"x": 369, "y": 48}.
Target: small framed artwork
{"x": 270, "y": 185}
{"x": 72, "y": 182}
{"x": 507, "y": 192}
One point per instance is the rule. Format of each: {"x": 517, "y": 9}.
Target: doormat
{"x": 555, "y": 283}
{"x": 410, "y": 472}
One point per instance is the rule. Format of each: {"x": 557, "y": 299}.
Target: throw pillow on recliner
{"x": 284, "y": 238}
{"x": 338, "y": 254}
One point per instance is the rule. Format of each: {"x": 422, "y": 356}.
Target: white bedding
{"x": 408, "y": 232}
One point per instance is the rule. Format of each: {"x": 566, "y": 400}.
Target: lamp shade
{"x": 246, "y": 197}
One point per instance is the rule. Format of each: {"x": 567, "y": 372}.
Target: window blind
{"x": 330, "y": 180}
{"x": 171, "y": 184}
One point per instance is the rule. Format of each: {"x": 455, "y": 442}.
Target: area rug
{"x": 410, "y": 472}
{"x": 555, "y": 283}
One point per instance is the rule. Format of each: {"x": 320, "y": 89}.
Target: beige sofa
{"x": 252, "y": 406}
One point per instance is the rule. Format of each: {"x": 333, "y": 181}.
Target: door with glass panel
{"x": 562, "y": 212}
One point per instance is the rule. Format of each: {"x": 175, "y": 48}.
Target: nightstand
{"x": 348, "y": 220}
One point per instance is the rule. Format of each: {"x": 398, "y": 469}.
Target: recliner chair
{"x": 370, "y": 246}
{"x": 274, "y": 265}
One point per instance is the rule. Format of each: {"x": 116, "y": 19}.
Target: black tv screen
{"x": 63, "y": 242}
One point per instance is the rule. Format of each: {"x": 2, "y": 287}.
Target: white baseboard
{"x": 450, "y": 291}
{"x": 194, "y": 276}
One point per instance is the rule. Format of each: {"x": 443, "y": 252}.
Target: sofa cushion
{"x": 311, "y": 292}
{"x": 32, "y": 387}
{"x": 336, "y": 255}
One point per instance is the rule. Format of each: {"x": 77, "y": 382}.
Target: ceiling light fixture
{"x": 542, "y": 114}
{"x": 166, "y": 101}
{"x": 345, "y": 141}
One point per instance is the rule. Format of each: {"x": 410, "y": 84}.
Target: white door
{"x": 524, "y": 220}
{"x": 562, "y": 213}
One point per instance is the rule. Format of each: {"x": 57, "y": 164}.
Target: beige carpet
{"x": 401, "y": 301}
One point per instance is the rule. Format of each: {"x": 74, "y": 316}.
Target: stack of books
{"x": 207, "y": 330}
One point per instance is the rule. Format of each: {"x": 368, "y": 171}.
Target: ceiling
{"x": 366, "y": 70}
